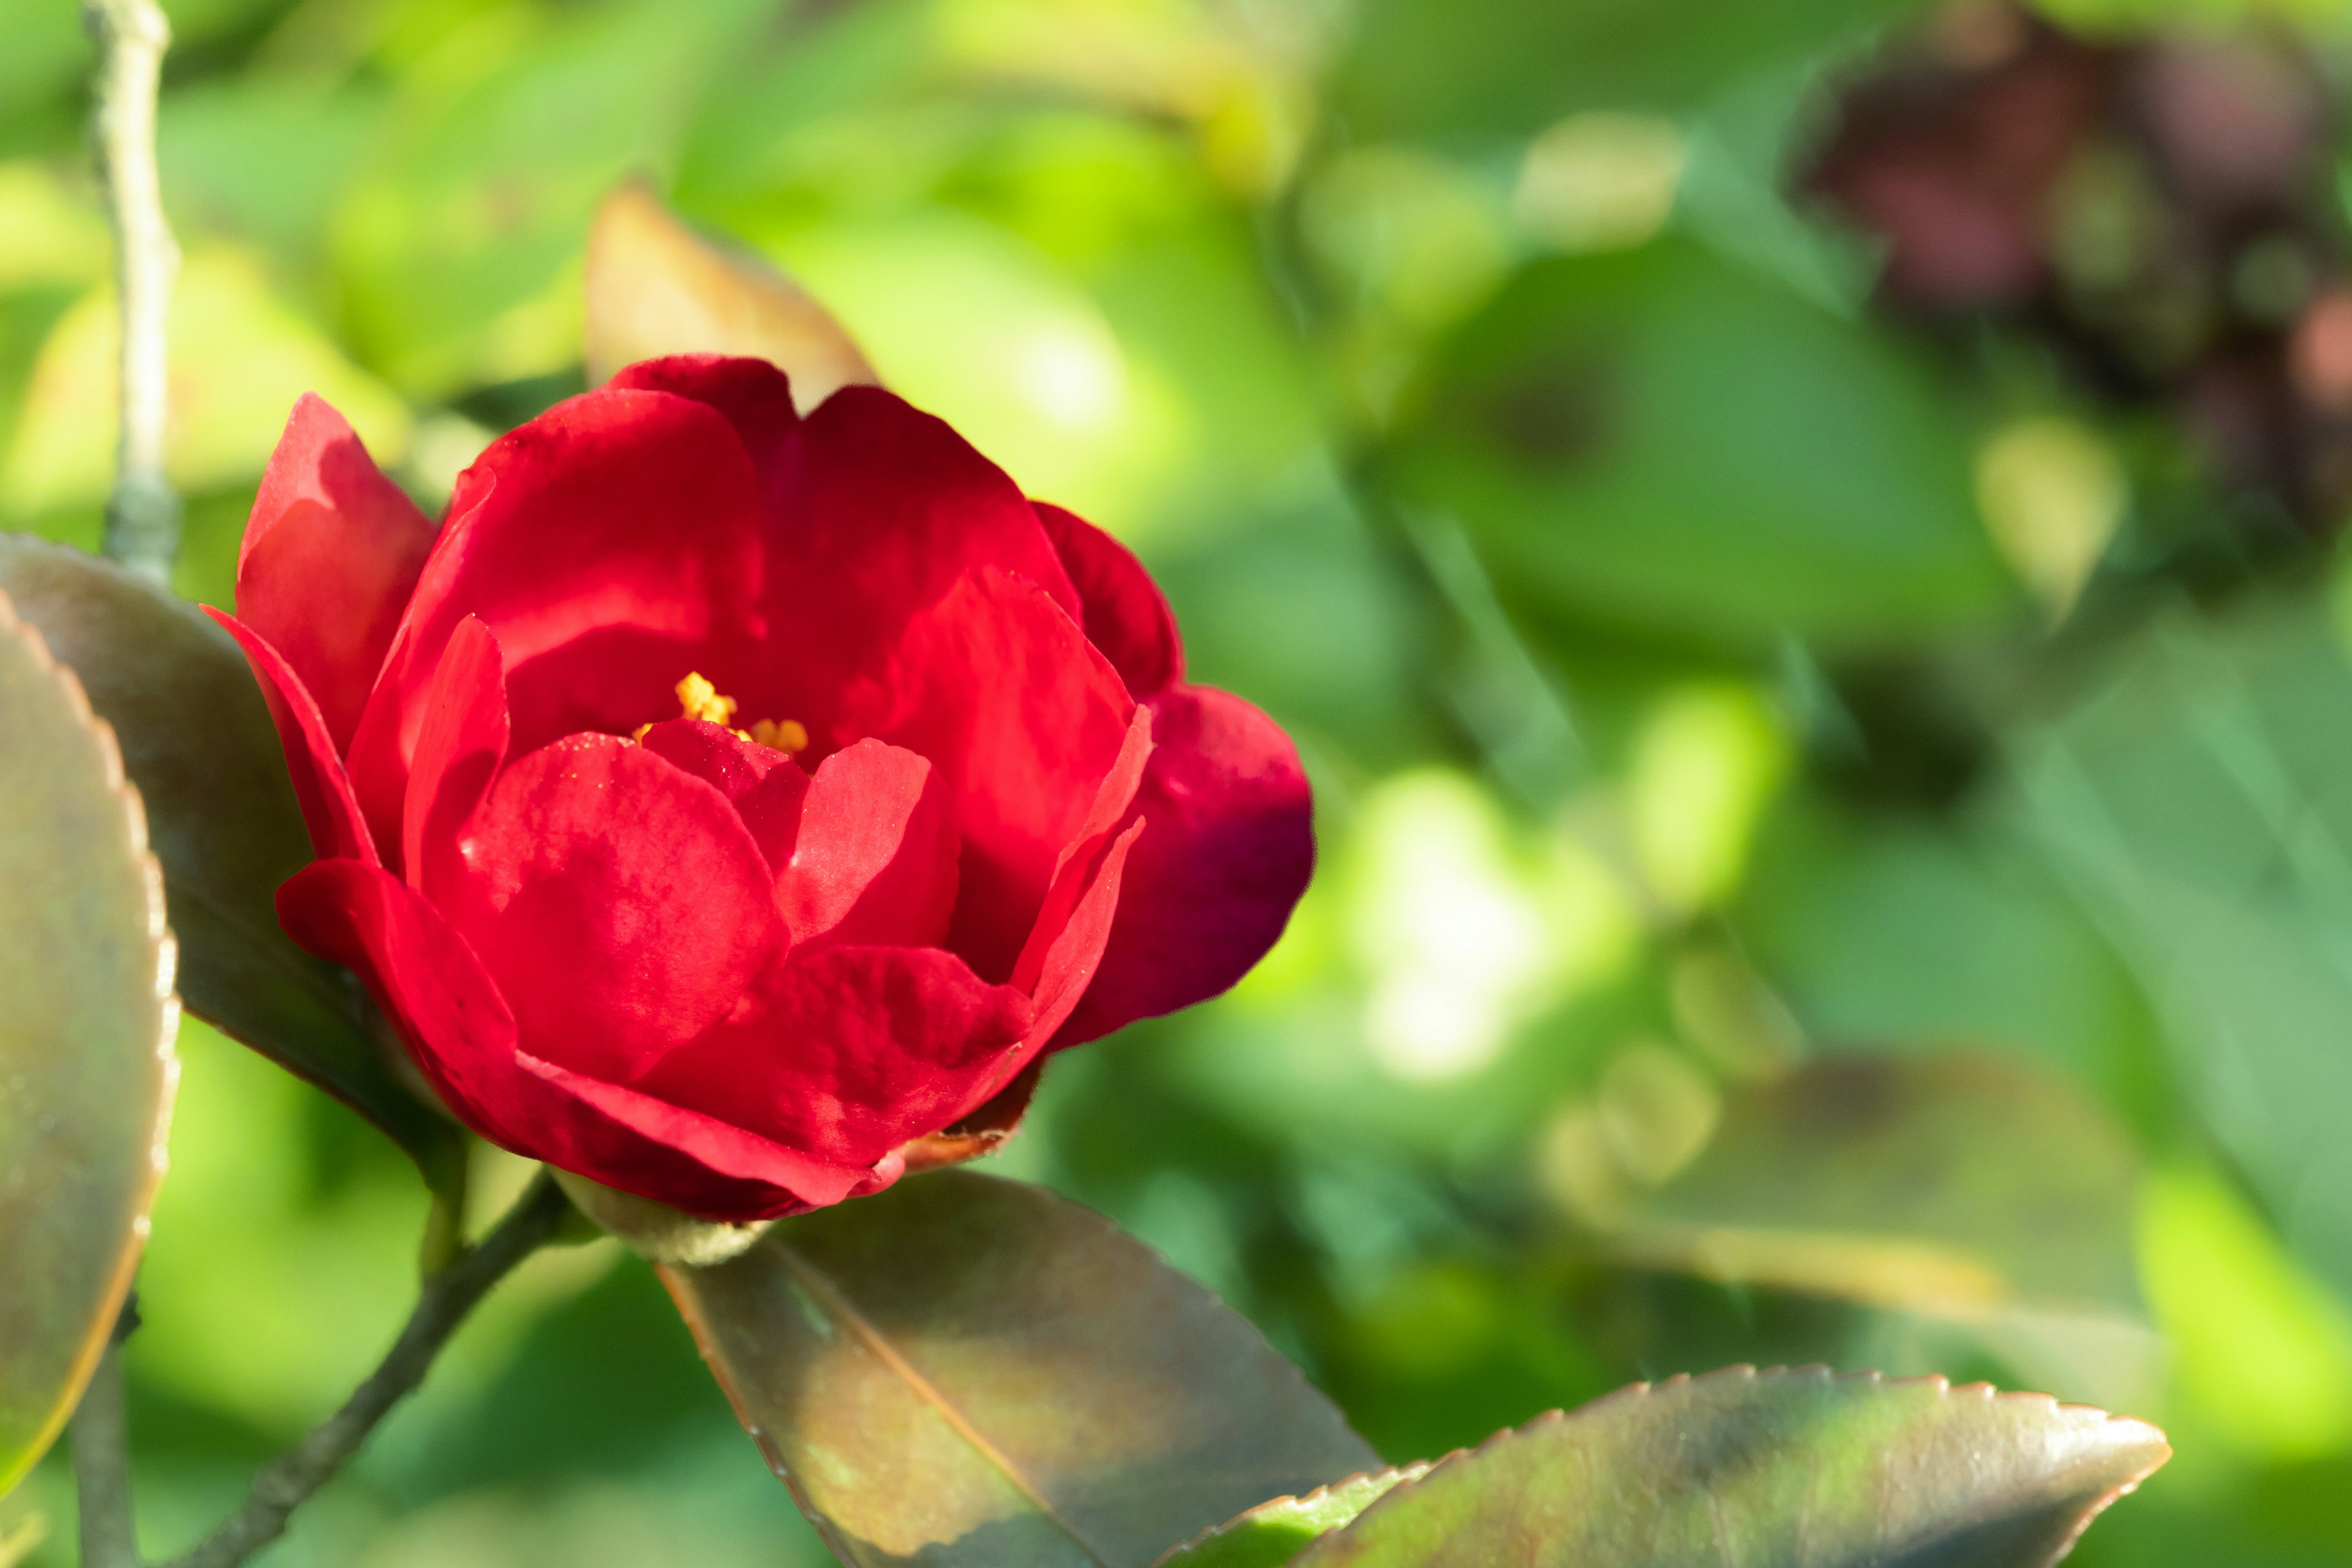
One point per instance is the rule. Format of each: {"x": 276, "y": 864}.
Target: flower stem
{"x": 295, "y": 1475}
{"x": 142, "y": 515}
{"x": 101, "y": 1457}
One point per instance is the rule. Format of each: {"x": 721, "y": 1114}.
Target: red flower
{"x": 940, "y": 800}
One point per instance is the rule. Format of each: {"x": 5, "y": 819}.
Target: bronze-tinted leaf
{"x": 86, "y": 1018}
{"x": 656, "y": 287}
{"x": 197, "y": 742}
{"x": 969, "y": 1372}
{"x": 1272, "y": 1533}
{"x": 1774, "y": 1469}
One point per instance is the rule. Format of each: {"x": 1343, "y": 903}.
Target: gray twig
{"x": 292, "y": 1478}
{"x": 142, "y": 515}
{"x": 101, "y": 1457}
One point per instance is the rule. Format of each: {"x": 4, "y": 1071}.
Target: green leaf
{"x": 197, "y": 741}
{"x": 1424, "y": 68}
{"x": 1773, "y": 1470}
{"x": 971, "y": 1371}
{"x": 86, "y": 1018}
{"x": 1272, "y": 1533}
{"x": 1653, "y": 441}
{"x": 656, "y": 287}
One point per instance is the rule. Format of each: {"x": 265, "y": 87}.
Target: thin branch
{"x": 142, "y": 515}
{"x": 448, "y": 1297}
{"x": 101, "y": 1457}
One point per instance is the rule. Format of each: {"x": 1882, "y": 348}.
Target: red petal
{"x": 848, "y": 1052}
{"x": 604, "y": 543}
{"x": 881, "y": 512}
{"x": 458, "y": 753}
{"x": 753, "y": 395}
{"x": 330, "y": 810}
{"x": 715, "y": 755}
{"x": 619, "y": 902}
{"x": 1004, "y": 694}
{"x": 1127, "y": 616}
{"x": 461, "y": 1034}
{"x": 876, "y": 859}
{"x": 1065, "y": 951}
{"x": 1210, "y": 887}
{"x": 330, "y": 556}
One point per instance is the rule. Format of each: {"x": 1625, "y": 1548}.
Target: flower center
{"x": 698, "y": 699}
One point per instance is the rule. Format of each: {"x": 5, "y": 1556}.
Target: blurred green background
{"x": 1799, "y": 541}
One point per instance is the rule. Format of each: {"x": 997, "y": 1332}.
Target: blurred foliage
{"x": 1798, "y": 542}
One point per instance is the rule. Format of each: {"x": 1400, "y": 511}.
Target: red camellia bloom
{"x": 733, "y": 807}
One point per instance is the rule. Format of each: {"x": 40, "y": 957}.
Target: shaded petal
{"x": 1210, "y": 888}
{"x": 882, "y": 509}
{"x": 847, "y": 1052}
{"x": 1125, "y": 615}
{"x": 604, "y": 543}
{"x": 1066, "y": 951}
{"x": 458, "y": 753}
{"x": 619, "y": 902}
{"x": 1002, "y": 692}
{"x": 329, "y": 809}
{"x": 874, "y": 862}
{"x": 331, "y": 553}
{"x": 458, "y": 1029}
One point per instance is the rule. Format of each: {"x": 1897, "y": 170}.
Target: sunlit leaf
{"x": 1652, "y": 439}
{"x": 970, "y": 1371}
{"x": 197, "y": 742}
{"x": 1273, "y": 1532}
{"x": 1773, "y": 1470}
{"x": 656, "y": 287}
{"x": 86, "y": 1017}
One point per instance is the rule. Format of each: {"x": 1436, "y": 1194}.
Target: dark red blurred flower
{"x": 990, "y": 819}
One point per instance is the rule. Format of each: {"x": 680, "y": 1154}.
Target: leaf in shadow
{"x": 1964, "y": 1186}
{"x": 197, "y": 742}
{"x": 1782, "y": 1468}
{"x": 964, "y": 1372}
{"x": 656, "y": 287}
{"x": 87, "y": 1020}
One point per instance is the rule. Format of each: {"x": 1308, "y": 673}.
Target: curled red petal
{"x": 321, "y": 787}
{"x": 881, "y": 509}
{"x": 765, "y": 785}
{"x": 458, "y": 1029}
{"x": 1001, "y": 692}
{"x": 1125, "y": 613}
{"x": 751, "y": 394}
{"x": 1210, "y": 888}
{"x": 1068, "y": 959}
{"x": 874, "y": 862}
{"x": 605, "y": 543}
{"x": 459, "y": 751}
{"x": 619, "y": 902}
{"x": 331, "y": 553}
{"x": 847, "y": 1053}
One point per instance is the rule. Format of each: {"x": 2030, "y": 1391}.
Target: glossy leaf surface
{"x": 87, "y": 1019}
{"x": 198, "y": 743}
{"x": 968, "y": 1371}
{"x": 656, "y": 287}
{"x": 1775, "y": 1469}
{"x": 1272, "y": 1533}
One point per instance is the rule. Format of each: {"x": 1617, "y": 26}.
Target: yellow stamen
{"x": 785, "y": 735}
{"x": 698, "y": 699}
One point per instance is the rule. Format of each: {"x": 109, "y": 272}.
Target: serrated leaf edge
{"x": 166, "y": 951}
{"x": 1744, "y": 1371}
